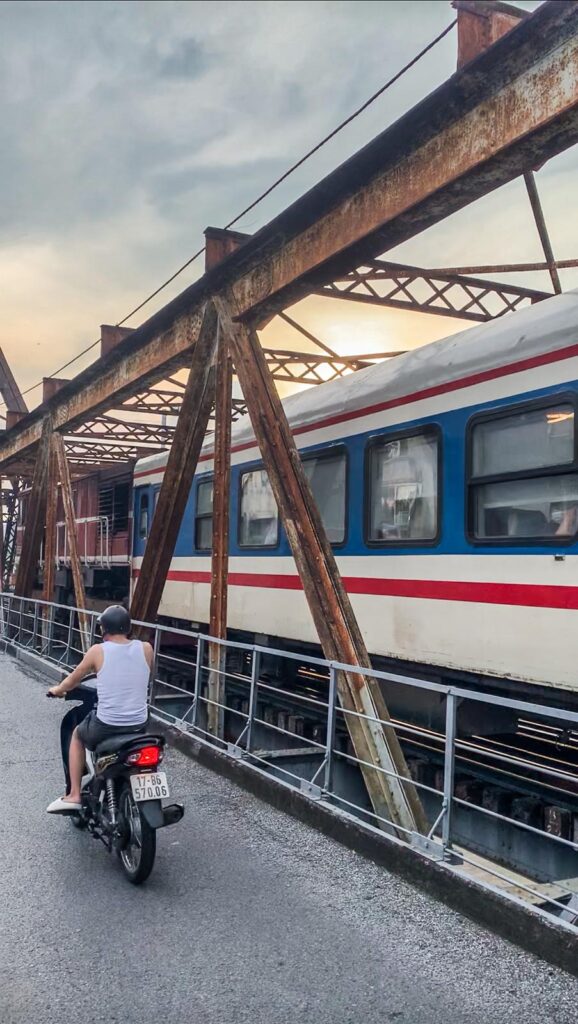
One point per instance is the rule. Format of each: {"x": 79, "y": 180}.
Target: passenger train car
{"x": 447, "y": 480}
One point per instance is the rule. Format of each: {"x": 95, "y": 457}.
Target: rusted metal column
{"x": 35, "y": 516}
{"x": 1, "y": 534}
{"x": 50, "y": 531}
{"x": 220, "y": 546}
{"x": 542, "y": 229}
{"x": 327, "y": 598}
{"x": 66, "y": 488}
{"x": 179, "y": 473}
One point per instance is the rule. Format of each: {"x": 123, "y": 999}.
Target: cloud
{"x": 127, "y": 128}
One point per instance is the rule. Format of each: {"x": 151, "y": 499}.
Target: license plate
{"x": 153, "y": 786}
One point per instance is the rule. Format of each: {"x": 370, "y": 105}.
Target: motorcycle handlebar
{"x": 81, "y": 693}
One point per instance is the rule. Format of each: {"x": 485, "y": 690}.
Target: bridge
{"x": 249, "y": 916}
{"x": 408, "y": 793}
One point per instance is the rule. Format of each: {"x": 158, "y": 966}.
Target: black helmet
{"x": 114, "y": 620}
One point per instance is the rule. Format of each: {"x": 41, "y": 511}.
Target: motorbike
{"x": 122, "y": 789}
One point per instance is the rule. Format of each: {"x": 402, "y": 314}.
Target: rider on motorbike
{"x": 122, "y": 668}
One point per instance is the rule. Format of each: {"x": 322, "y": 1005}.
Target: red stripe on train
{"x": 568, "y": 352}
{"x": 525, "y": 595}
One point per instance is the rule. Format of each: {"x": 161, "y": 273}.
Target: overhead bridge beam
{"x": 507, "y": 111}
{"x": 501, "y": 115}
{"x": 399, "y": 286}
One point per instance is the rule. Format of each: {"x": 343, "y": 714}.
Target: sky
{"x": 128, "y": 127}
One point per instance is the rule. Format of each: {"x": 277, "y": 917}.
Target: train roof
{"x": 526, "y": 334}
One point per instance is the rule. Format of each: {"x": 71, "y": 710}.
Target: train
{"x": 447, "y": 481}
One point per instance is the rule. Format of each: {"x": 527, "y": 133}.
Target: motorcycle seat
{"x": 115, "y": 743}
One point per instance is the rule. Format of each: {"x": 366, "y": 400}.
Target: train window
{"x": 523, "y": 482}
{"x": 204, "y": 516}
{"x": 326, "y": 473}
{"x": 143, "y": 515}
{"x": 403, "y": 489}
{"x": 258, "y": 515}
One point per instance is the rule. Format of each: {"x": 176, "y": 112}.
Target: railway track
{"x": 530, "y": 775}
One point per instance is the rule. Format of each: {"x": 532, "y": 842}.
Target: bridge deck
{"x": 248, "y": 916}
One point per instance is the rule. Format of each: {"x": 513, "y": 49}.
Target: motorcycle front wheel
{"x": 137, "y": 855}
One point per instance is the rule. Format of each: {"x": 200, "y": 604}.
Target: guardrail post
{"x": 255, "y": 669}
{"x": 153, "y": 679}
{"x": 10, "y": 627}
{"x": 198, "y": 673}
{"x": 449, "y": 770}
{"x": 331, "y": 719}
{"x": 69, "y": 638}
{"x": 50, "y": 629}
{"x": 35, "y": 626}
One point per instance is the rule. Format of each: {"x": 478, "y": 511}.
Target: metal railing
{"x": 281, "y": 714}
{"x": 93, "y": 544}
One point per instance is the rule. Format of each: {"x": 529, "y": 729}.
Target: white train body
{"x": 457, "y": 531}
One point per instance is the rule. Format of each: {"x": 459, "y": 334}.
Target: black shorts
{"x": 92, "y": 731}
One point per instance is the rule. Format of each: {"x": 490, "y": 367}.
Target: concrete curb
{"x": 532, "y": 930}
{"x": 37, "y": 664}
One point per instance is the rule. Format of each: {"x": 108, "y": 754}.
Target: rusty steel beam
{"x": 399, "y": 286}
{"x": 11, "y": 500}
{"x": 505, "y": 268}
{"x": 69, "y": 518}
{"x": 220, "y": 541}
{"x": 9, "y": 389}
{"x": 110, "y": 428}
{"x": 481, "y": 23}
{"x": 307, "y": 334}
{"x": 393, "y": 797}
{"x": 50, "y": 530}
{"x": 35, "y": 517}
{"x": 510, "y": 109}
{"x": 78, "y": 450}
{"x": 540, "y": 220}
{"x": 109, "y": 381}
{"x": 179, "y": 473}
{"x": 524, "y": 113}
{"x": 3, "y": 504}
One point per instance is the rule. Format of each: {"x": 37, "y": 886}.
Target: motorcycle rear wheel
{"x": 137, "y": 856}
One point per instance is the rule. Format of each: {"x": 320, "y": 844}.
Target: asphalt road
{"x": 249, "y": 916}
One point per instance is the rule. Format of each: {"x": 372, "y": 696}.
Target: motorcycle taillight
{"x": 146, "y": 757}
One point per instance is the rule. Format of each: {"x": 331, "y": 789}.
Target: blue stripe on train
{"x": 452, "y": 540}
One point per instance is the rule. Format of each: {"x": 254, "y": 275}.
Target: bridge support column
{"x": 375, "y": 745}
{"x": 50, "y": 531}
{"x": 220, "y": 546}
{"x": 35, "y": 516}
{"x": 67, "y": 501}
{"x": 180, "y": 470}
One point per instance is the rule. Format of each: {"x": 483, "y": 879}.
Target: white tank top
{"x": 122, "y": 684}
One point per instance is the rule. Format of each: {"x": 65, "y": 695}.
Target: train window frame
{"x": 330, "y": 452}
{"x": 385, "y": 437}
{"x": 143, "y": 496}
{"x": 254, "y": 547}
{"x": 472, "y": 481}
{"x": 210, "y": 479}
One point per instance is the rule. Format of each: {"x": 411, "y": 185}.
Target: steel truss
{"x": 398, "y": 286}
{"x": 10, "y": 513}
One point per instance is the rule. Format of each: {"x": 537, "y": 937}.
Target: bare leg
{"x": 75, "y": 767}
